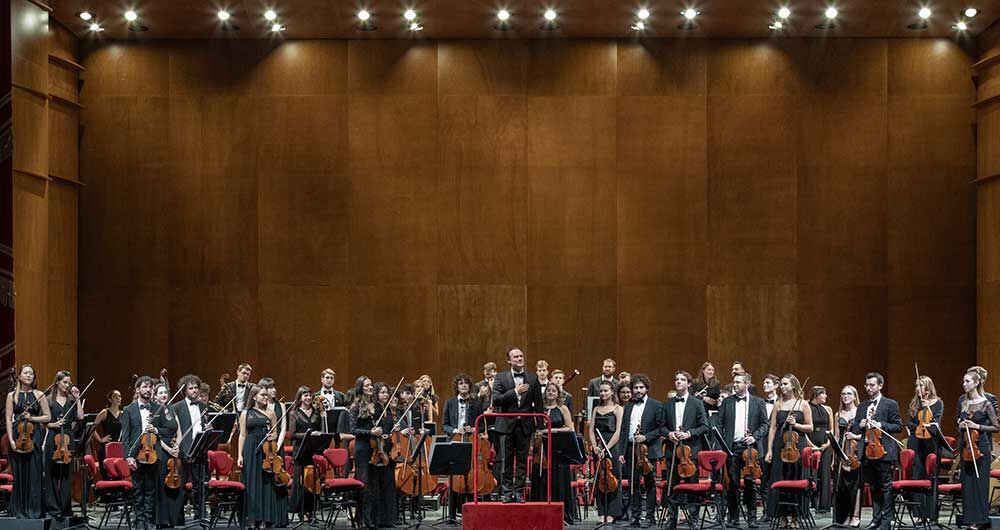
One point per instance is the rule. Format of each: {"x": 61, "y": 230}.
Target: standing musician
{"x": 924, "y": 413}
{"x": 516, "y": 391}
{"x": 239, "y": 388}
{"x": 169, "y": 501}
{"x": 261, "y": 504}
{"x": 882, "y": 414}
{"x": 135, "y": 421}
{"x": 603, "y": 433}
{"x": 561, "y": 479}
{"x": 607, "y": 374}
{"x": 706, "y": 388}
{"x": 331, "y": 396}
{"x": 559, "y": 378}
{"x": 821, "y": 414}
{"x": 847, "y": 502}
{"x": 428, "y": 398}
{"x": 624, "y": 378}
{"x": 642, "y": 424}
{"x": 977, "y": 421}
{"x": 744, "y": 424}
{"x": 109, "y": 424}
{"x": 370, "y": 422}
{"x": 738, "y": 368}
{"x": 791, "y": 418}
{"x": 685, "y": 421}
{"x": 460, "y": 413}
{"x": 278, "y": 408}
{"x": 26, "y": 409}
{"x": 303, "y": 420}
{"x": 542, "y": 371}
{"x": 484, "y": 388}
{"x": 191, "y": 415}
{"x": 65, "y": 410}
{"x": 982, "y": 373}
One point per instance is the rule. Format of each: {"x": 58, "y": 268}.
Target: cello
{"x": 412, "y": 476}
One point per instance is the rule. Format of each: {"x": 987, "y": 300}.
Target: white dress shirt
{"x": 518, "y": 379}
{"x": 240, "y": 394}
{"x": 330, "y": 394}
{"x": 679, "y": 404}
{"x": 740, "y": 421}
{"x": 636, "y": 419}
{"x": 144, "y": 414}
{"x": 195, "y": 412}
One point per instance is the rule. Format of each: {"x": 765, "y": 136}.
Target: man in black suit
{"x": 516, "y": 391}
{"x": 882, "y": 413}
{"x": 460, "y": 413}
{"x": 685, "y": 421}
{"x": 607, "y": 374}
{"x": 240, "y": 389}
{"x": 191, "y": 411}
{"x": 559, "y": 378}
{"x": 136, "y": 418}
{"x": 642, "y": 424}
{"x": 331, "y": 396}
{"x": 745, "y": 425}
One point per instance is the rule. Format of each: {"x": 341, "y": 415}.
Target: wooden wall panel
{"x": 845, "y": 323}
{"x": 31, "y": 269}
{"x": 571, "y": 327}
{"x": 483, "y": 67}
{"x": 392, "y": 333}
{"x": 660, "y": 67}
{"x": 478, "y": 323}
{"x": 31, "y": 121}
{"x": 755, "y": 323}
{"x": 62, "y": 273}
{"x": 29, "y": 45}
{"x": 988, "y": 209}
{"x": 64, "y": 136}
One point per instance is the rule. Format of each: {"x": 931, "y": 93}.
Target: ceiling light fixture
{"x": 777, "y": 25}
{"x": 961, "y": 26}
{"x": 689, "y": 13}
{"x": 277, "y": 28}
{"x": 96, "y": 28}
{"x": 639, "y": 26}
{"x": 131, "y": 16}
{"x": 85, "y": 15}
{"x": 410, "y": 15}
{"x": 364, "y": 15}
{"x": 414, "y": 26}
{"x": 550, "y": 15}
{"x": 643, "y": 14}
{"x": 924, "y": 13}
{"x": 270, "y": 16}
{"x": 503, "y": 15}
{"x": 223, "y": 15}
{"x": 784, "y": 13}
{"x": 971, "y": 12}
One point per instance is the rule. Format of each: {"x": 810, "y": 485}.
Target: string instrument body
{"x": 751, "y": 464}
{"x": 924, "y": 417}
{"x": 407, "y": 472}
{"x": 147, "y": 448}
{"x": 874, "y": 449}
{"x": 685, "y": 467}
{"x": 971, "y": 452}
{"x": 607, "y": 482}
{"x": 173, "y": 478}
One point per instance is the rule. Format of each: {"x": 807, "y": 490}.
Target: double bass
{"x": 486, "y": 482}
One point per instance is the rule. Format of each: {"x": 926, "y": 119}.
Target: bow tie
{"x": 769, "y": 401}
{"x": 144, "y": 407}
{"x": 461, "y": 401}
{"x": 738, "y": 399}
{"x": 679, "y": 400}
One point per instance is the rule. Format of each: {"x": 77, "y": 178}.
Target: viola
{"x": 751, "y": 464}
{"x": 874, "y": 449}
{"x": 24, "y": 441}
{"x": 173, "y": 478}
{"x": 685, "y": 467}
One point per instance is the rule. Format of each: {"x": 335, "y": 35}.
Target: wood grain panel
{"x": 300, "y": 68}
{"x": 213, "y": 327}
{"x": 988, "y": 215}
{"x": 214, "y": 67}
{"x": 64, "y": 138}
{"x": 63, "y": 249}
{"x": 31, "y": 236}
{"x": 928, "y": 66}
{"x": 393, "y": 334}
{"x": 571, "y": 131}
{"x": 752, "y": 189}
{"x": 482, "y": 234}
{"x": 844, "y": 66}
{"x": 477, "y": 324}
{"x": 841, "y": 169}
{"x": 392, "y": 67}
{"x": 31, "y": 123}
{"x": 766, "y": 68}
{"x": 987, "y": 146}
{"x": 486, "y": 67}
{"x": 572, "y": 68}
{"x": 125, "y": 69}
{"x": 988, "y": 296}
{"x": 392, "y": 130}
{"x": 29, "y": 45}
{"x": 63, "y": 82}
{"x": 572, "y": 327}
{"x": 842, "y": 333}
{"x": 758, "y": 322}
{"x": 660, "y": 67}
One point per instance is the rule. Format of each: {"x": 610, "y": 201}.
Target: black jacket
{"x": 651, "y": 426}
{"x": 594, "y": 386}
{"x": 758, "y": 422}
{"x": 180, "y": 410}
{"x": 887, "y": 414}
{"x": 695, "y": 420}
{"x": 227, "y": 392}
{"x": 131, "y": 419}
{"x": 505, "y": 400}
{"x": 450, "y": 417}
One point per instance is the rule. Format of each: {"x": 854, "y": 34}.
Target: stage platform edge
{"x": 514, "y": 516}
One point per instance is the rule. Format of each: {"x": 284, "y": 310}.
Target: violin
{"x": 970, "y": 449}
{"x": 61, "y": 441}
{"x": 24, "y": 441}
{"x": 606, "y": 480}
{"x": 274, "y": 463}
{"x": 173, "y": 478}
{"x": 685, "y": 467}
{"x": 751, "y": 464}
{"x": 379, "y": 456}
{"x": 924, "y": 416}
{"x": 147, "y": 448}
{"x": 874, "y": 449}
{"x": 311, "y": 480}
{"x": 790, "y": 438}
{"x": 642, "y": 459}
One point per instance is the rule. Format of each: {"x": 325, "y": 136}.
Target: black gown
{"x": 260, "y": 500}
{"x": 821, "y": 425}
{"x": 847, "y": 487}
{"x": 378, "y": 498}
{"x": 561, "y": 479}
{"x": 111, "y": 426}
{"x": 608, "y": 504}
{"x": 26, "y": 496}
{"x": 781, "y": 470}
{"x": 922, "y": 448}
{"x": 283, "y": 488}
{"x": 59, "y": 476}
{"x": 302, "y": 501}
{"x": 976, "y": 490}
{"x": 169, "y": 508}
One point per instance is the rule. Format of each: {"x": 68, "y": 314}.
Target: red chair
{"x": 113, "y": 495}
{"x": 226, "y": 495}
{"x": 706, "y": 494}
{"x": 339, "y": 493}
{"x": 114, "y": 450}
{"x": 906, "y": 487}
{"x": 793, "y": 495}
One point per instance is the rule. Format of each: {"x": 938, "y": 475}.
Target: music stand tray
{"x": 449, "y": 459}
{"x": 314, "y": 443}
{"x": 78, "y": 452}
{"x": 222, "y": 421}
{"x": 566, "y": 449}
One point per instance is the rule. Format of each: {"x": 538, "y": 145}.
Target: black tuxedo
{"x": 226, "y": 394}
{"x": 517, "y": 431}
{"x": 594, "y": 386}
{"x": 650, "y": 426}
{"x": 194, "y": 473}
{"x": 145, "y": 476}
{"x": 695, "y": 421}
{"x": 878, "y": 473}
{"x": 450, "y": 417}
{"x": 339, "y": 398}
{"x": 758, "y": 425}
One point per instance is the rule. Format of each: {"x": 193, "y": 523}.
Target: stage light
{"x": 924, "y": 13}
{"x": 550, "y": 15}
{"x": 96, "y": 28}
{"x": 277, "y": 28}
{"x": 784, "y": 13}
{"x": 971, "y": 12}
{"x": 85, "y": 15}
{"x": 777, "y": 24}
{"x": 961, "y": 26}
{"x": 131, "y": 16}
{"x": 364, "y": 15}
{"x": 639, "y": 26}
{"x": 503, "y": 15}
{"x": 643, "y": 14}
{"x": 414, "y": 26}
{"x": 410, "y": 15}
{"x": 831, "y": 12}
{"x": 223, "y": 15}
{"x": 270, "y": 15}
{"x": 689, "y": 13}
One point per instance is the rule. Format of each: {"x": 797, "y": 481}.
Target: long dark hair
{"x": 298, "y": 396}
{"x": 60, "y": 375}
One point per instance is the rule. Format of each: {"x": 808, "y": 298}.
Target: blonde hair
{"x": 928, "y": 384}
{"x": 854, "y": 391}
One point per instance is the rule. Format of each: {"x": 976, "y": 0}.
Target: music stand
{"x": 78, "y": 452}
{"x": 314, "y": 443}
{"x": 222, "y": 421}
{"x": 721, "y": 440}
{"x": 450, "y": 458}
{"x": 566, "y": 449}
{"x": 942, "y": 442}
{"x": 416, "y": 457}
{"x": 198, "y": 456}
{"x": 840, "y": 458}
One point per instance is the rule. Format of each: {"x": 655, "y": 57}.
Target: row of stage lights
{"x": 366, "y": 20}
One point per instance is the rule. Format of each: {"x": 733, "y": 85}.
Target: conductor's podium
{"x": 514, "y": 516}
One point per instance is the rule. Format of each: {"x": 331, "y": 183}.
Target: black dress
{"x": 169, "y": 509}
{"x": 378, "y": 498}
{"x": 276, "y": 409}
{"x": 847, "y": 487}
{"x": 110, "y": 426}
{"x": 260, "y": 500}
{"x": 561, "y": 479}
{"x": 821, "y": 425}
{"x": 923, "y": 447}
{"x": 782, "y": 470}
{"x": 26, "y": 497}
{"x": 976, "y": 490}
{"x": 59, "y": 476}
{"x": 710, "y": 390}
{"x": 302, "y": 501}
{"x": 609, "y": 504}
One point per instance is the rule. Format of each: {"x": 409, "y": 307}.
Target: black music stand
{"x": 314, "y": 443}
{"x": 450, "y": 458}
{"x": 222, "y": 421}
{"x": 417, "y": 457}
{"x": 198, "y": 457}
{"x": 840, "y": 457}
{"x": 721, "y": 440}
{"x": 942, "y": 442}
{"x": 78, "y": 453}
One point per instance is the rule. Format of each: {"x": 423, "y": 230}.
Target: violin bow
{"x": 284, "y": 411}
{"x": 209, "y": 424}
{"x": 66, "y": 415}
{"x": 386, "y": 407}
{"x": 154, "y": 416}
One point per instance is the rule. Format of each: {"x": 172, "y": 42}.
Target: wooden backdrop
{"x": 399, "y": 207}
{"x": 988, "y": 195}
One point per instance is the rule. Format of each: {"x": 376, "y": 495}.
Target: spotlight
{"x": 971, "y": 12}
{"x": 503, "y": 15}
{"x": 961, "y": 26}
{"x": 550, "y": 15}
{"x": 364, "y": 15}
{"x": 131, "y": 16}
{"x": 831, "y": 12}
{"x": 924, "y": 13}
{"x": 85, "y": 15}
{"x": 639, "y": 26}
{"x": 277, "y": 28}
{"x": 410, "y": 15}
{"x": 223, "y": 15}
{"x": 96, "y": 28}
{"x": 270, "y": 15}
{"x": 777, "y": 25}
{"x": 689, "y": 13}
{"x": 415, "y": 26}
{"x": 784, "y": 13}
{"x": 643, "y": 14}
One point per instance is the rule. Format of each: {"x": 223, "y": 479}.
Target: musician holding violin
{"x": 371, "y": 425}
{"x": 304, "y": 419}
{"x": 977, "y": 421}
{"x": 460, "y": 412}
{"x": 261, "y": 505}
{"x": 604, "y": 434}
{"x": 65, "y": 410}
{"x": 791, "y": 422}
{"x": 685, "y": 423}
{"x": 876, "y": 420}
{"x": 562, "y": 422}
{"x": 141, "y": 457}
{"x": 27, "y": 410}
{"x": 847, "y": 498}
{"x": 191, "y": 416}
{"x": 170, "y": 489}
{"x": 925, "y": 412}
{"x": 744, "y": 424}
{"x": 640, "y": 449}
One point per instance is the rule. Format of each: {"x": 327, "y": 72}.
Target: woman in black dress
{"x": 607, "y": 424}
{"x": 790, "y": 413}
{"x": 976, "y": 413}
{"x": 278, "y": 409}
{"x": 925, "y": 402}
{"x": 109, "y": 425}
{"x": 261, "y": 508}
{"x": 706, "y": 388}
{"x": 303, "y": 419}
{"x": 847, "y": 505}
{"x": 562, "y": 421}
{"x": 821, "y": 414}
{"x": 377, "y": 508}
{"x": 169, "y": 510}
{"x": 65, "y": 410}
{"x": 27, "y": 403}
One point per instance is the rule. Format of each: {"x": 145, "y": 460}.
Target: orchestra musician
{"x": 460, "y": 413}
{"x": 707, "y": 388}
{"x": 561, "y": 478}
{"x": 515, "y": 391}
{"x": 369, "y": 423}
{"x": 685, "y": 422}
{"x": 239, "y": 388}
{"x": 744, "y": 424}
{"x": 136, "y": 419}
{"x": 925, "y": 402}
{"x": 603, "y": 433}
{"x": 821, "y": 415}
{"x": 642, "y": 423}
{"x": 738, "y": 368}
{"x": 559, "y": 378}
{"x": 847, "y": 504}
{"x": 542, "y": 371}
{"x": 607, "y": 374}
{"x": 191, "y": 416}
{"x": 169, "y": 508}
{"x": 976, "y": 414}
{"x": 65, "y": 410}
{"x": 881, "y": 413}
{"x": 278, "y": 408}
{"x": 27, "y": 405}
{"x": 262, "y": 506}
{"x": 791, "y": 415}
{"x": 331, "y": 396}
{"x": 109, "y": 424}
{"x": 769, "y": 387}
{"x": 305, "y": 418}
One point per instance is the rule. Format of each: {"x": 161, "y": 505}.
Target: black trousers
{"x": 515, "y": 459}
{"x": 640, "y": 485}
{"x": 195, "y": 474}
{"x": 749, "y": 490}
{"x": 878, "y": 475}
{"x": 144, "y": 479}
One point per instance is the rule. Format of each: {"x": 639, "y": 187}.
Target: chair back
{"x": 906, "y": 457}
{"x": 114, "y": 450}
